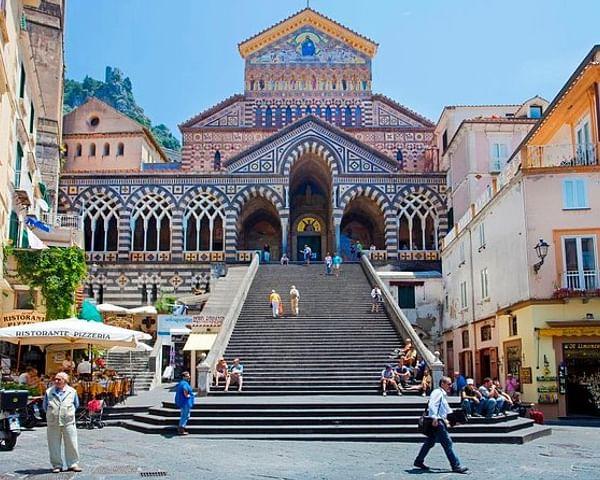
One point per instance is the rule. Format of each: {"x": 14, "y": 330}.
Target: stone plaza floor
{"x": 114, "y": 453}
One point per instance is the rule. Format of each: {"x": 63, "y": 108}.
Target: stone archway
{"x": 363, "y": 221}
{"x": 310, "y": 194}
{"x": 259, "y": 224}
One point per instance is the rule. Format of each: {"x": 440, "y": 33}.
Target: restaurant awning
{"x": 587, "y": 331}
{"x": 200, "y": 341}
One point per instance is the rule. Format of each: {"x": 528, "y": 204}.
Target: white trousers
{"x": 275, "y": 306}
{"x": 56, "y": 437}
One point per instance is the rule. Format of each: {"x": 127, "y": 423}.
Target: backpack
{"x": 537, "y": 416}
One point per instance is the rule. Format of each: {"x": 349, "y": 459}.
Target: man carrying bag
{"x": 435, "y": 426}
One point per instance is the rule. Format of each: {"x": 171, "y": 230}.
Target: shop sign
{"x": 207, "y": 321}
{"x": 525, "y": 375}
{"x": 167, "y": 322}
{"x": 570, "y": 332}
{"x": 21, "y": 317}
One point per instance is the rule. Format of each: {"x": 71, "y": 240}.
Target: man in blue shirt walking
{"x": 184, "y": 400}
{"x": 438, "y": 410}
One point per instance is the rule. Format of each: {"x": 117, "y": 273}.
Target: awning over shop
{"x": 575, "y": 331}
{"x": 200, "y": 341}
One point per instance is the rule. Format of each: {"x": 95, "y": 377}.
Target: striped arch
{"x": 237, "y": 204}
{"x": 194, "y": 192}
{"x": 419, "y": 190}
{"x": 141, "y": 192}
{"x": 368, "y": 191}
{"x": 314, "y": 145}
{"x": 89, "y": 193}
{"x": 247, "y": 194}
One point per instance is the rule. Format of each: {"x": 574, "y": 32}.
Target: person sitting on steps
{"x": 236, "y": 373}
{"x": 388, "y": 378}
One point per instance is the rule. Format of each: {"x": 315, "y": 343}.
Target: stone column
{"x": 284, "y": 234}
{"x": 177, "y": 234}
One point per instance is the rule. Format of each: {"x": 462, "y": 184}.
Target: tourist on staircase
{"x": 294, "y": 299}
{"x": 388, "y": 379}
{"x": 402, "y": 373}
{"x": 376, "y": 298}
{"x": 307, "y": 252}
{"x": 184, "y": 400}
{"x": 284, "y": 259}
{"x": 275, "y": 301}
{"x": 337, "y": 264}
{"x": 328, "y": 264}
{"x": 438, "y": 410}
{"x": 221, "y": 371}
{"x": 471, "y": 400}
{"x": 235, "y": 376}
{"x": 266, "y": 253}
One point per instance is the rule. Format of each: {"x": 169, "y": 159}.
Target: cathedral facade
{"x": 307, "y": 155}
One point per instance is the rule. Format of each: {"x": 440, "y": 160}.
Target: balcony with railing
{"x": 578, "y": 283}
{"x": 562, "y": 155}
{"x": 65, "y": 230}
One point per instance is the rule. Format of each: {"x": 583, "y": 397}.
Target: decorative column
{"x": 285, "y": 227}
{"x": 125, "y": 237}
{"x": 337, "y": 229}
{"x": 177, "y": 234}
{"x": 231, "y": 235}
{"x": 391, "y": 234}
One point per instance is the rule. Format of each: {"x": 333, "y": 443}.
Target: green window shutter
{"x": 31, "y": 118}
{"x": 406, "y": 296}
{"x": 22, "y": 83}
{"x": 13, "y": 231}
{"x": 25, "y": 239}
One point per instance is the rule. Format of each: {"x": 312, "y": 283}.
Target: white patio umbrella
{"x": 110, "y": 308}
{"x": 72, "y": 331}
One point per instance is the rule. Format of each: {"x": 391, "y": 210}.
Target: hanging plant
{"x": 57, "y": 272}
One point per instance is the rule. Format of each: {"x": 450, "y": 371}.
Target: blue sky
{"x": 182, "y": 58}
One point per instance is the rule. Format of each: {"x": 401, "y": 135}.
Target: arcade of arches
{"x": 259, "y": 225}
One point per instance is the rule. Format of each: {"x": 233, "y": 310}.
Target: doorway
{"x": 582, "y": 362}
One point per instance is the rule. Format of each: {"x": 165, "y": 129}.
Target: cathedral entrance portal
{"x": 310, "y": 207}
{"x": 259, "y": 225}
{"x": 362, "y": 222}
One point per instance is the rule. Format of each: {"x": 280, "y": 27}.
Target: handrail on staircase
{"x": 402, "y": 323}
{"x": 206, "y": 368}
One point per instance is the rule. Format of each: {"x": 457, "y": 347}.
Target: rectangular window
{"x": 13, "y": 229}
{"x": 580, "y": 270}
{"x": 463, "y": 295}
{"x": 22, "y": 83}
{"x": 18, "y": 165}
{"x": 535, "y": 111}
{"x": 484, "y": 284}
{"x": 23, "y": 300}
{"x": 575, "y": 194}
{"x": 465, "y": 339}
{"x": 512, "y": 325}
{"x": 461, "y": 253}
{"x": 499, "y": 155}
{"x": 406, "y": 296}
{"x": 444, "y": 141}
{"x": 481, "y": 235}
{"x": 486, "y": 333}
{"x": 31, "y": 118}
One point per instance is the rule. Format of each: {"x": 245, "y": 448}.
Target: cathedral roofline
{"x": 403, "y": 109}
{"x": 307, "y": 16}
{"x": 316, "y": 120}
{"x": 210, "y": 111}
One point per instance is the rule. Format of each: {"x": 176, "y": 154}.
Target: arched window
{"x": 106, "y": 151}
{"x": 101, "y": 224}
{"x": 328, "y": 114}
{"x": 78, "y": 150}
{"x": 66, "y": 152}
{"x": 203, "y": 223}
{"x": 120, "y": 149}
{"x": 278, "y": 117}
{"x": 344, "y": 84}
{"x": 92, "y": 149}
{"x": 269, "y": 117}
{"x": 348, "y": 117}
{"x": 419, "y": 224}
{"x": 217, "y": 162}
{"x": 288, "y": 115}
{"x": 318, "y": 111}
{"x": 258, "y": 117}
{"x": 298, "y": 112}
{"x": 151, "y": 224}
{"x": 358, "y": 116}
{"x": 308, "y": 110}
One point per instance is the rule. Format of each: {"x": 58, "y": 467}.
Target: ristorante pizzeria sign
{"x": 62, "y": 333}
{"x": 17, "y": 318}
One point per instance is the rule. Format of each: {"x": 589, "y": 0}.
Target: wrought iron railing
{"x": 562, "y": 155}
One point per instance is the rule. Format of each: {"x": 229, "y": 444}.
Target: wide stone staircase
{"x": 334, "y": 346}
{"x": 315, "y": 376}
{"x": 131, "y": 364}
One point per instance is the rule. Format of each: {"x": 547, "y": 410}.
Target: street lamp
{"x": 541, "y": 249}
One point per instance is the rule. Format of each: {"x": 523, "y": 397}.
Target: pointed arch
{"x": 315, "y": 145}
{"x": 204, "y": 223}
{"x": 369, "y": 191}
{"x": 421, "y": 215}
